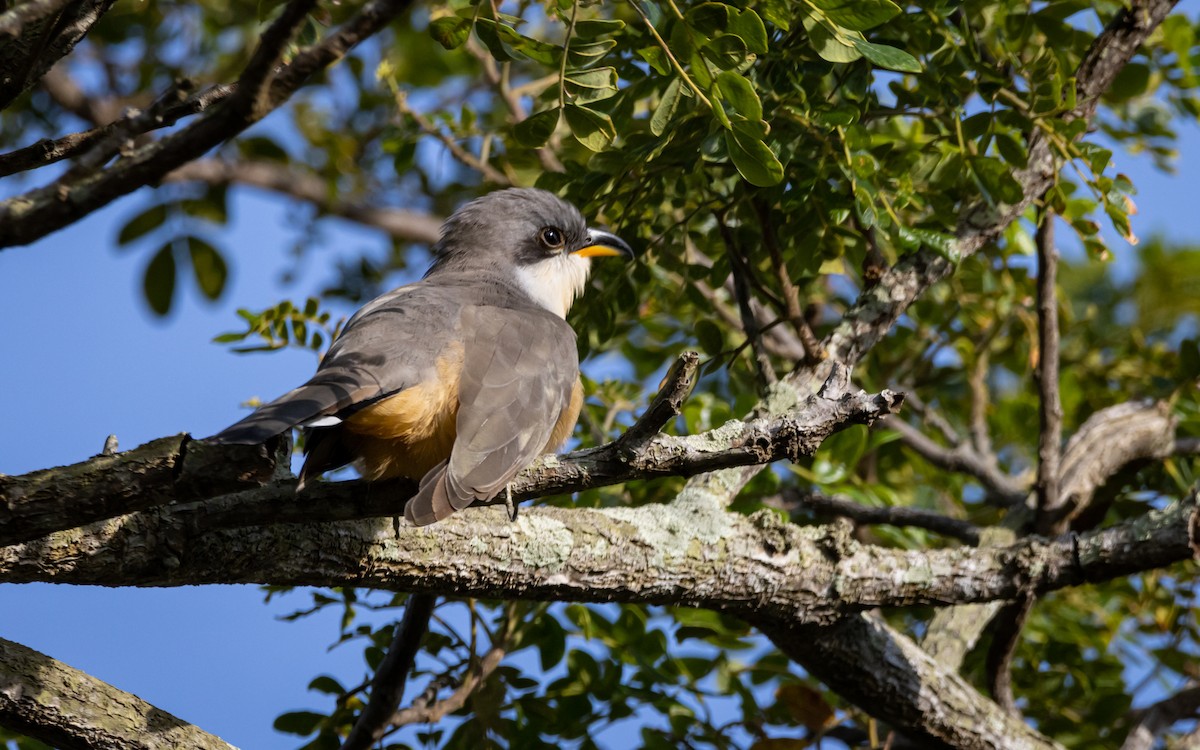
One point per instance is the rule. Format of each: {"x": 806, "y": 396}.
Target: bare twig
{"x": 792, "y": 500}
{"x": 1049, "y": 399}
{"x": 67, "y": 94}
{"x": 48, "y": 30}
{"x": 977, "y": 380}
{"x": 511, "y": 99}
{"x": 791, "y": 295}
{"x": 387, "y": 686}
{"x": 1003, "y": 489}
{"x": 490, "y": 173}
{"x": 1154, "y": 719}
{"x": 674, "y": 389}
{"x": 253, "y": 89}
{"x": 741, "y": 288}
{"x": 400, "y": 224}
{"x": 430, "y": 712}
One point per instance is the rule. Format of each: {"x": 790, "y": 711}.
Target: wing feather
{"x": 389, "y": 345}
{"x": 519, "y": 369}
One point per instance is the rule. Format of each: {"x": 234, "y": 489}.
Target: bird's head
{"x": 534, "y": 237}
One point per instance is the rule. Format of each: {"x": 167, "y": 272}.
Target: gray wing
{"x": 390, "y": 344}
{"x": 519, "y": 369}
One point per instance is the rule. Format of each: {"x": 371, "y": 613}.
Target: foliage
{"x": 801, "y": 147}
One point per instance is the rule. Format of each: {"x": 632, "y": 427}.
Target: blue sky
{"x": 83, "y": 358}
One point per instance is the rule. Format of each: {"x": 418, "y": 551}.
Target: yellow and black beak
{"x": 601, "y": 243}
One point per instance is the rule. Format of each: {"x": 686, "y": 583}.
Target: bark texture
{"x": 45, "y": 699}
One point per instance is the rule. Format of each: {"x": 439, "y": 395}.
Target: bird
{"x": 463, "y": 378}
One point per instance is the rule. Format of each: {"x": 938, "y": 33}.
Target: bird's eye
{"x": 551, "y": 238}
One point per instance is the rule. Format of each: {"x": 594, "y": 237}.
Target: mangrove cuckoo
{"x": 463, "y": 378}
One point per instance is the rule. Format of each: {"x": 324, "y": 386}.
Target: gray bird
{"x": 463, "y": 378}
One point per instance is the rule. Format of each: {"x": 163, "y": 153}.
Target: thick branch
{"x": 1109, "y": 440}
{"x": 904, "y": 686}
{"x": 680, "y": 554}
{"x": 180, "y": 469}
{"x": 45, "y": 699}
{"x": 34, "y": 35}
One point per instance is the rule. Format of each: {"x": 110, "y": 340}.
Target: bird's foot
{"x": 508, "y": 502}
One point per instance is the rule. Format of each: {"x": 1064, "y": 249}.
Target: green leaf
{"x": 142, "y": 224}
{"x": 709, "y": 19}
{"x": 657, "y": 59}
{"x": 940, "y": 242}
{"x": 830, "y": 46}
{"x": 585, "y": 55}
{"x": 597, "y": 27}
{"x": 738, "y": 92}
{"x": 263, "y": 148}
{"x": 535, "y": 130}
{"x": 996, "y": 178}
{"x": 778, "y": 12}
{"x": 754, "y": 161}
{"x": 1132, "y": 81}
{"x": 591, "y": 128}
{"x": 158, "y": 283}
{"x": 748, "y": 26}
{"x": 326, "y": 684}
{"x": 1189, "y": 360}
{"x": 709, "y": 337}
{"x": 209, "y": 267}
{"x": 488, "y": 32}
{"x": 1011, "y": 150}
{"x": 857, "y": 15}
{"x": 450, "y": 31}
{"x": 536, "y": 50}
{"x": 592, "y": 85}
{"x": 888, "y": 57}
{"x": 666, "y": 106}
{"x": 299, "y": 722}
{"x": 599, "y": 78}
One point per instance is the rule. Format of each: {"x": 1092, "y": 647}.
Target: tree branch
{"x": 904, "y": 686}
{"x": 464, "y": 157}
{"x": 1005, "y": 490}
{"x": 387, "y": 686}
{"x": 181, "y": 469}
{"x": 49, "y": 701}
{"x": 42, "y": 32}
{"x": 399, "y": 224}
{"x": 31, "y": 216}
{"x": 878, "y": 307}
{"x": 1049, "y": 400}
{"x": 741, "y": 292}
{"x": 1109, "y": 440}
{"x": 792, "y": 500}
{"x": 1157, "y": 718}
{"x": 684, "y": 554}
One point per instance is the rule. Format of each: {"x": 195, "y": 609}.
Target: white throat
{"x": 555, "y": 282}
